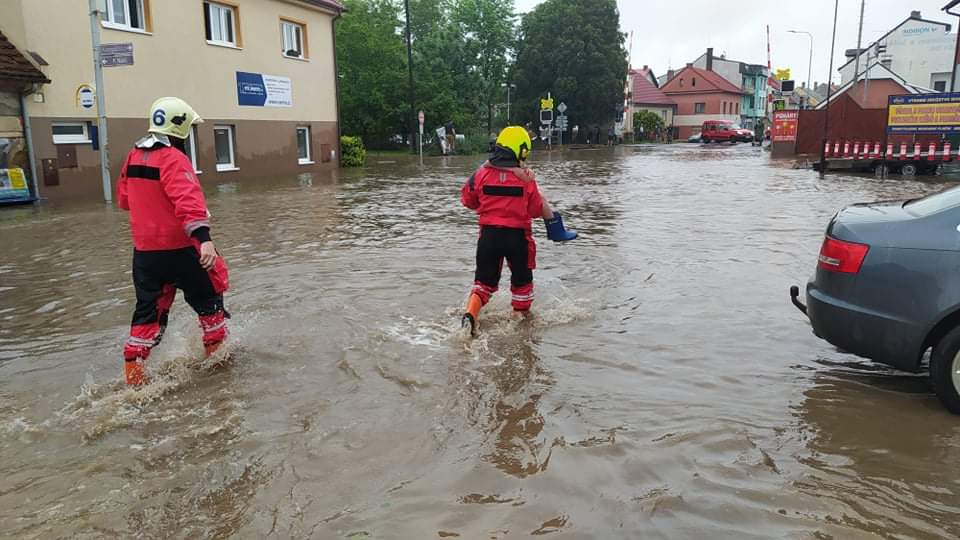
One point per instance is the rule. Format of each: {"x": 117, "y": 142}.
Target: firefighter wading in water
{"x": 170, "y": 225}
{"x": 506, "y": 197}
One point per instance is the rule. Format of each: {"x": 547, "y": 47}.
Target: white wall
{"x": 918, "y": 49}
{"x": 727, "y": 69}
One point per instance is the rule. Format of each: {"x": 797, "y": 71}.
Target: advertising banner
{"x": 785, "y": 126}
{"x": 924, "y": 113}
{"x": 13, "y": 185}
{"x": 259, "y": 90}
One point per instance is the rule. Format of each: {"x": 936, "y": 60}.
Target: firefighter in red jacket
{"x": 170, "y": 226}
{"x": 506, "y": 196}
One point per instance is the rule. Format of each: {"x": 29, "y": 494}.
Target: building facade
{"x": 645, "y": 95}
{"x": 261, "y": 73}
{"x": 918, "y": 50}
{"x": 750, "y": 78}
{"x": 18, "y": 78}
{"x": 702, "y": 95}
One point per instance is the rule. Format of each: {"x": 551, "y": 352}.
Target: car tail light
{"x": 839, "y": 256}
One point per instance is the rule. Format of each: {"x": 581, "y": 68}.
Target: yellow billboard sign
{"x": 924, "y": 113}
{"x": 783, "y": 74}
{"x": 546, "y": 104}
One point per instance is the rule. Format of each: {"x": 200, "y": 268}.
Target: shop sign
{"x": 785, "y": 126}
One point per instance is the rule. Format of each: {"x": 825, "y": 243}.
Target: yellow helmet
{"x": 172, "y": 116}
{"x": 517, "y": 140}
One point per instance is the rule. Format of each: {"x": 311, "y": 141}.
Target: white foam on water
{"x": 103, "y": 407}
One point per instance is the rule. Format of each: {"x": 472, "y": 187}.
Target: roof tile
{"x": 15, "y": 66}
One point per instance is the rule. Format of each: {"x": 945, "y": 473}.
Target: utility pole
{"x": 101, "y": 101}
{"x": 856, "y": 63}
{"x": 826, "y": 120}
{"x": 413, "y": 112}
{"x": 956, "y": 52}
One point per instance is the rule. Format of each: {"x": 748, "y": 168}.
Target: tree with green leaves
{"x": 651, "y": 123}
{"x": 575, "y": 50}
{"x": 371, "y": 63}
{"x": 487, "y": 30}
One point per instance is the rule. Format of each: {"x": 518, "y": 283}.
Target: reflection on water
{"x": 664, "y": 388}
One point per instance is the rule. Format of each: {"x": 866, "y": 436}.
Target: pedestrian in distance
{"x": 451, "y": 130}
{"x": 172, "y": 246}
{"x": 505, "y": 195}
{"x": 611, "y": 136}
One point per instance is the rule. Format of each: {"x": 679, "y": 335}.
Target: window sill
{"x": 224, "y": 45}
{"x": 306, "y": 162}
{"x": 122, "y": 28}
{"x": 227, "y": 168}
{"x": 73, "y": 142}
{"x": 297, "y": 58}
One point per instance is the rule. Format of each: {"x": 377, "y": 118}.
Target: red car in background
{"x": 724, "y": 131}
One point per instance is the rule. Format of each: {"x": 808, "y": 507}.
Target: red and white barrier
{"x": 932, "y": 152}
{"x": 903, "y": 150}
{"x": 846, "y": 148}
{"x": 917, "y": 153}
{"x": 947, "y": 155}
{"x": 826, "y": 149}
{"x": 889, "y": 150}
{"x": 836, "y": 149}
{"x": 876, "y": 151}
{"x": 856, "y": 150}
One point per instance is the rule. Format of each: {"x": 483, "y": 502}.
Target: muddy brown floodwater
{"x": 666, "y": 388}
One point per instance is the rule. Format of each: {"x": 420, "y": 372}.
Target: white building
{"x": 918, "y": 50}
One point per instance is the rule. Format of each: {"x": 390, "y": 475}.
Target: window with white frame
{"x": 293, "y": 39}
{"x": 225, "y": 144}
{"x": 70, "y": 133}
{"x": 191, "y": 147}
{"x": 127, "y": 14}
{"x": 304, "y": 155}
{"x": 221, "y": 23}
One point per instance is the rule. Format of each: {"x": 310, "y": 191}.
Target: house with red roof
{"x": 701, "y": 95}
{"x": 645, "y": 95}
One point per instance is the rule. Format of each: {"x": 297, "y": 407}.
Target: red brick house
{"x": 701, "y": 95}
{"x": 646, "y": 95}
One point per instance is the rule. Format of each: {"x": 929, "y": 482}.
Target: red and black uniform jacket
{"x": 503, "y": 197}
{"x": 167, "y": 208}
{"x": 160, "y": 189}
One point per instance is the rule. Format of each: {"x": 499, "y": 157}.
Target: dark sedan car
{"x": 887, "y": 286}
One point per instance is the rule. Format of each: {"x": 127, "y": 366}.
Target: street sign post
{"x": 546, "y": 117}
{"x": 116, "y": 54}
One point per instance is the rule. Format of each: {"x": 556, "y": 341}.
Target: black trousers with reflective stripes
{"x": 153, "y": 270}
{"x": 497, "y": 244}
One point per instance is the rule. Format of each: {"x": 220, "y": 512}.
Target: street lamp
{"x": 508, "y": 87}
{"x": 810, "y": 64}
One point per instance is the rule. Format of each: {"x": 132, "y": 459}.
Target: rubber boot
{"x": 210, "y": 348}
{"x": 474, "y": 303}
{"x": 556, "y": 231}
{"x": 134, "y": 372}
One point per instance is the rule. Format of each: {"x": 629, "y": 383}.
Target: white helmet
{"x": 172, "y": 116}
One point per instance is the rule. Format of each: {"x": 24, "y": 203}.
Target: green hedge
{"x": 353, "y": 153}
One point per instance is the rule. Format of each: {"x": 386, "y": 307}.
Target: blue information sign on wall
{"x": 259, "y": 90}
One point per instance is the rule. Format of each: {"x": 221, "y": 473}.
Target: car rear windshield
{"x": 932, "y": 204}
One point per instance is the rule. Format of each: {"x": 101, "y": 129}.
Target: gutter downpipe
{"x": 336, "y": 85}
{"x": 31, "y": 155}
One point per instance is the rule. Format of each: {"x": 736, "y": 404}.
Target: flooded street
{"x": 665, "y": 388}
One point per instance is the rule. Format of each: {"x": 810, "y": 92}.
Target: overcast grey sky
{"x": 670, "y": 33}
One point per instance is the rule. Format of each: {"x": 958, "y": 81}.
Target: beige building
{"x": 260, "y": 72}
